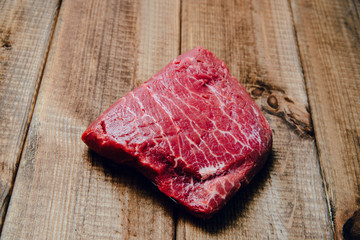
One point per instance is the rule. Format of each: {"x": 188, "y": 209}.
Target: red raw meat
{"x": 192, "y": 129}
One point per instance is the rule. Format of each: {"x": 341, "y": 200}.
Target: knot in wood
{"x": 273, "y": 102}
{"x": 257, "y": 92}
{"x": 351, "y": 229}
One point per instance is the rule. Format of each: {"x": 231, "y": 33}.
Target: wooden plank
{"x": 256, "y": 38}
{"x": 62, "y": 191}
{"x": 329, "y": 42}
{"x": 25, "y": 32}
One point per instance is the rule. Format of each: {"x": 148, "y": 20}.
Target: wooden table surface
{"x": 62, "y": 63}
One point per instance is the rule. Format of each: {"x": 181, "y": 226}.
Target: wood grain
{"x": 298, "y": 59}
{"x": 257, "y": 40}
{"x": 25, "y": 32}
{"x": 329, "y": 42}
{"x": 100, "y": 51}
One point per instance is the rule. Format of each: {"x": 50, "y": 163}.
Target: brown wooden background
{"x": 64, "y": 62}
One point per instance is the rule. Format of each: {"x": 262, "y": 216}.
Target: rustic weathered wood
{"x": 101, "y": 50}
{"x": 25, "y": 32}
{"x": 256, "y": 38}
{"x": 329, "y": 43}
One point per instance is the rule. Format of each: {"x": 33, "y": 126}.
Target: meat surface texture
{"x": 192, "y": 129}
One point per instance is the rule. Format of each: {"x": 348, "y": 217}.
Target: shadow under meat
{"x": 120, "y": 174}
{"x": 236, "y": 208}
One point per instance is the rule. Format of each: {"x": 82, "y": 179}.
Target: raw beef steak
{"x": 192, "y": 129}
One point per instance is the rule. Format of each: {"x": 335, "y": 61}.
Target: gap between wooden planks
{"x": 26, "y": 28}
